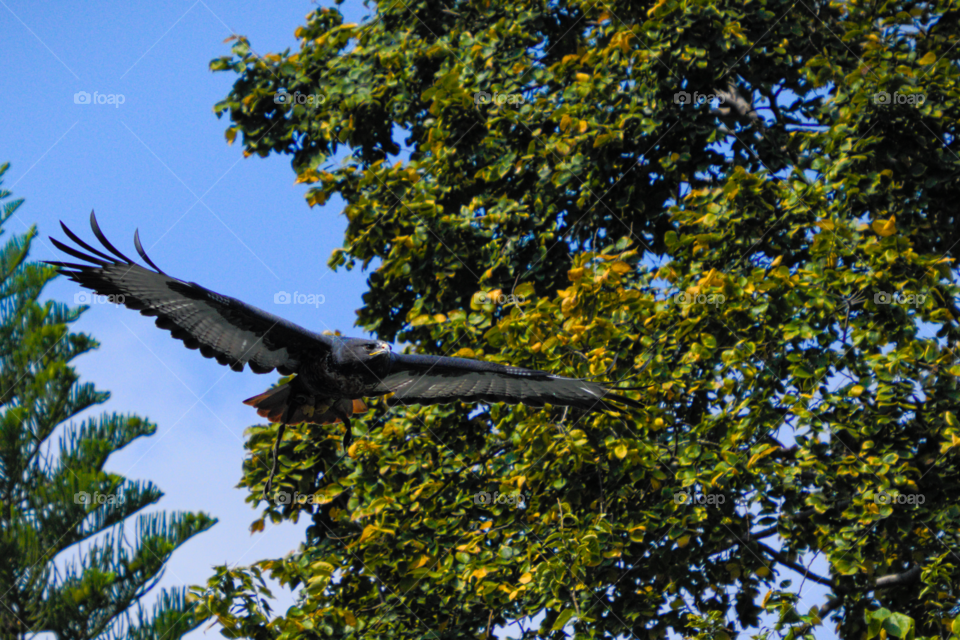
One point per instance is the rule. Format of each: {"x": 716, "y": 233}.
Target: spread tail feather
{"x": 278, "y": 405}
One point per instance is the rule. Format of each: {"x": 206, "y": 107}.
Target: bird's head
{"x": 361, "y": 353}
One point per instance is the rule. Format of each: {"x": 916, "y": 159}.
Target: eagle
{"x": 330, "y": 375}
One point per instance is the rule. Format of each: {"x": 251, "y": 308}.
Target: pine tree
{"x": 56, "y": 496}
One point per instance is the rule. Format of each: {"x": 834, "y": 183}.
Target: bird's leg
{"x": 276, "y": 455}
{"x": 288, "y": 412}
{"x": 348, "y": 436}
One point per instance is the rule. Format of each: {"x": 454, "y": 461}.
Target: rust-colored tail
{"x": 277, "y": 405}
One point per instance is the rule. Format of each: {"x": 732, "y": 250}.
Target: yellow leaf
{"x": 575, "y": 274}
{"x": 307, "y": 176}
{"x": 683, "y": 541}
{"x": 315, "y": 197}
{"x": 654, "y": 8}
{"x": 950, "y": 418}
{"x": 946, "y": 446}
{"x": 763, "y": 572}
{"x": 583, "y": 77}
{"x": 620, "y": 451}
{"x": 621, "y": 267}
{"x": 368, "y": 531}
{"x": 776, "y": 262}
{"x": 857, "y": 391}
{"x": 480, "y": 573}
{"x": 827, "y": 225}
{"x": 930, "y": 58}
{"x": 525, "y": 578}
{"x": 709, "y": 280}
{"x": 350, "y": 619}
{"x": 565, "y": 121}
{"x": 760, "y": 455}
{"x": 230, "y": 134}
{"x": 885, "y": 228}
{"x": 583, "y": 126}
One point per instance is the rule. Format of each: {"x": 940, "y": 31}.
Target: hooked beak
{"x": 380, "y": 350}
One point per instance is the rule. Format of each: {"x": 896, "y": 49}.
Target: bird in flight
{"x": 333, "y": 373}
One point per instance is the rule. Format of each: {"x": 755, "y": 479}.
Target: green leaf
{"x": 563, "y": 619}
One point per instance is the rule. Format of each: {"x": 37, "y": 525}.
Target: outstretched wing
{"x": 415, "y": 379}
{"x": 221, "y": 327}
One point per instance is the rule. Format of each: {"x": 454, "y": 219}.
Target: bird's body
{"x": 334, "y": 373}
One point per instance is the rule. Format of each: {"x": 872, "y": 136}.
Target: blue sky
{"x": 159, "y": 162}
{"x": 152, "y": 156}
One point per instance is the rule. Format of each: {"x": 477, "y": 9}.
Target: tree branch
{"x": 796, "y": 566}
{"x": 907, "y": 577}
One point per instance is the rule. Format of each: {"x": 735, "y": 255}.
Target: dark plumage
{"x": 333, "y": 373}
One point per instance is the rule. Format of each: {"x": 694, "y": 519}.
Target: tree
{"x": 56, "y": 497}
{"x": 744, "y": 209}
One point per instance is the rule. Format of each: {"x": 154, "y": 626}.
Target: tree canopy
{"x": 71, "y": 568}
{"x": 743, "y": 210}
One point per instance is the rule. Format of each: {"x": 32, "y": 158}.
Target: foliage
{"x": 772, "y": 268}
{"x": 55, "y": 495}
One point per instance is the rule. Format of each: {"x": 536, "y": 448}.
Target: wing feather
{"x": 221, "y": 327}
{"x": 143, "y": 254}
{"x": 416, "y": 379}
